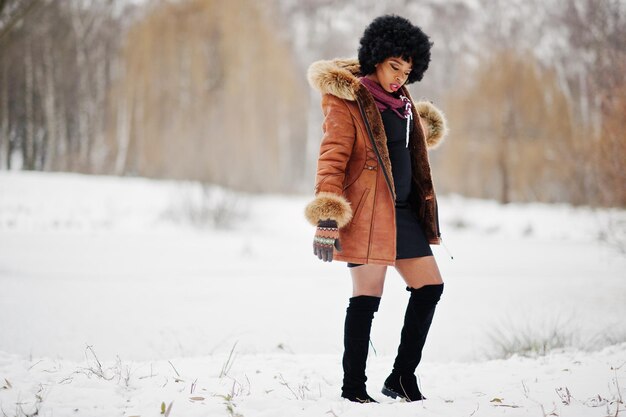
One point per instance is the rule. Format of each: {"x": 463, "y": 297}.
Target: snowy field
{"x": 120, "y": 295}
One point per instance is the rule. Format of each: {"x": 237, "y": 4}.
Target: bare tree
{"x": 12, "y": 12}
{"x": 57, "y": 84}
{"x": 5, "y": 145}
{"x": 597, "y": 30}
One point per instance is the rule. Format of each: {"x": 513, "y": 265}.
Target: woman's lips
{"x": 394, "y": 86}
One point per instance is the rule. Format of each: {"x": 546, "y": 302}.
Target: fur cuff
{"x": 436, "y": 124}
{"x": 327, "y": 205}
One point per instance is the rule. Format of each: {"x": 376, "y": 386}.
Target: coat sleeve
{"x": 335, "y": 150}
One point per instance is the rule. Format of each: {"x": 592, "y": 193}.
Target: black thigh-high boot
{"x": 356, "y": 339}
{"x": 419, "y": 315}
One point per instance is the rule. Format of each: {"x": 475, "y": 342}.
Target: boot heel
{"x": 389, "y": 393}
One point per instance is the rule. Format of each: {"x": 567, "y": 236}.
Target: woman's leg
{"x": 418, "y": 272}
{"x": 424, "y": 282}
{"x": 368, "y": 282}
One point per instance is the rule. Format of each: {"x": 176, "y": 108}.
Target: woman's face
{"x": 392, "y": 73}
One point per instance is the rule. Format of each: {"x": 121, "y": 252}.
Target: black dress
{"x": 411, "y": 241}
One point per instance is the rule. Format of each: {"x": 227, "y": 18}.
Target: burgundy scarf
{"x": 385, "y": 101}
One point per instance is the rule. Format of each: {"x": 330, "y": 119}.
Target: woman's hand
{"x": 326, "y": 237}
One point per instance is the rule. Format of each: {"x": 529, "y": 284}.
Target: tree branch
{"x": 19, "y": 15}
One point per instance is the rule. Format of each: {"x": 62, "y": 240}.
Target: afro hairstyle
{"x": 394, "y": 36}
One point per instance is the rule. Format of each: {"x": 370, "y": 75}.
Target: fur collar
{"x": 339, "y": 77}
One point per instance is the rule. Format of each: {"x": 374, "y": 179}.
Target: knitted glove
{"x": 326, "y": 237}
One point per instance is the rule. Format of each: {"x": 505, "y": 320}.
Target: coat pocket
{"x": 359, "y": 207}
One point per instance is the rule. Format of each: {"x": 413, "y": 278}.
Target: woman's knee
{"x": 372, "y": 288}
{"x": 372, "y": 292}
{"x": 368, "y": 280}
{"x": 418, "y": 272}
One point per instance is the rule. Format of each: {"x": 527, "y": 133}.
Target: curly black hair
{"x": 394, "y": 36}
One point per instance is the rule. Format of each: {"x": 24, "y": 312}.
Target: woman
{"x": 375, "y": 203}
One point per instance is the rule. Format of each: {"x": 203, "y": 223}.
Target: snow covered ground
{"x": 113, "y": 302}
